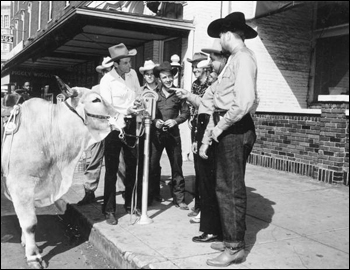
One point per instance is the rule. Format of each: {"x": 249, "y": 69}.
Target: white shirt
{"x": 119, "y": 92}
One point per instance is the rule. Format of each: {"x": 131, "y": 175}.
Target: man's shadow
{"x": 259, "y": 216}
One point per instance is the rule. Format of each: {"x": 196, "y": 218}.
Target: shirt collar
{"x": 160, "y": 91}
{"x": 115, "y": 74}
{"x": 238, "y": 48}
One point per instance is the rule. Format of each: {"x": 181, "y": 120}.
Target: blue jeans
{"x": 232, "y": 152}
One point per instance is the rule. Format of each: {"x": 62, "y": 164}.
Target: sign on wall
{"x": 7, "y": 38}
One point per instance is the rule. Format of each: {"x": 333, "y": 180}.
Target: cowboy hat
{"x": 165, "y": 66}
{"x": 149, "y": 65}
{"x": 215, "y": 48}
{"x": 204, "y": 64}
{"x": 232, "y": 22}
{"x": 198, "y": 56}
{"x": 120, "y": 51}
{"x": 105, "y": 64}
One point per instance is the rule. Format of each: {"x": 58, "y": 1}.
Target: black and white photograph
{"x": 175, "y": 134}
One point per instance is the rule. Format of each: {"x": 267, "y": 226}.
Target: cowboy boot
{"x": 228, "y": 257}
{"x": 88, "y": 198}
{"x": 220, "y": 246}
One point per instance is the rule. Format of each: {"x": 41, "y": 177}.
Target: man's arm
{"x": 184, "y": 113}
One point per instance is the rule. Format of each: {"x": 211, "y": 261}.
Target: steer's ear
{"x": 80, "y": 109}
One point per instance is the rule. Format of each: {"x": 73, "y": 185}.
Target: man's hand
{"x": 170, "y": 123}
{"x": 159, "y": 123}
{"x": 216, "y": 133}
{"x": 203, "y": 151}
{"x": 194, "y": 147}
{"x": 181, "y": 93}
{"x": 134, "y": 110}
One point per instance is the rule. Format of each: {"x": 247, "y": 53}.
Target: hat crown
{"x": 198, "y": 56}
{"x": 237, "y": 17}
{"x": 120, "y": 51}
{"x": 149, "y": 63}
{"x": 215, "y": 48}
{"x": 165, "y": 66}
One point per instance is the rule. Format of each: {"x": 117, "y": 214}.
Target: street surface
{"x": 62, "y": 245}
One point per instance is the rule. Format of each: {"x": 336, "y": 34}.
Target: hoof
{"x": 36, "y": 264}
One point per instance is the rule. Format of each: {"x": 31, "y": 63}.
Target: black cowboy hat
{"x": 165, "y": 66}
{"x": 232, "y": 22}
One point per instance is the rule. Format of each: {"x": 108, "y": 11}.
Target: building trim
{"x": 334, "y": 98}
{"x": 135, "y": 18}
{"x": 293, "y": 111}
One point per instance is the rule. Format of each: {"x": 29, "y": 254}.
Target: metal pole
{"x": 144, "y": 219}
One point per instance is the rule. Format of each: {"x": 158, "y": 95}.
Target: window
{"x": 16, "y": 30}
{"x": 50, "y": 11}
{"x": 23, "y": 15}
{"x": 331, "y": 50}
{"x": 6, "y": 21}
{"x": 30, "y": 19}
{"x": 39, "y": 16}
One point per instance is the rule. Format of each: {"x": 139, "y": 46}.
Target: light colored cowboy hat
{"x": 215, "y": 48}
{"x": 105, "y": 64}
{"x": 149, "y": 65}
{"x": 232, "y": 22}
{"x": 198, "y": 56}
{"x": 120, "y": 51}
{"x": 165, "y": 66}
{"x": 204, "y": 64}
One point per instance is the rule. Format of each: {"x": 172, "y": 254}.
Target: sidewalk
{"x": 292, "y": 222}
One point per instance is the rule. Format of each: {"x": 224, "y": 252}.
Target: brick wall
{"x": 316, "y": 145}
{"x": 283, "y": 49}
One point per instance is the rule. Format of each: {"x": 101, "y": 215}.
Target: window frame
{"x": 328, "y": 32}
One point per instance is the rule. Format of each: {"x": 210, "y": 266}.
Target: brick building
{"x": 303, "y": 61}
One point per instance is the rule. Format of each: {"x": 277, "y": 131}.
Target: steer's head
{"x": 98, "y": 115}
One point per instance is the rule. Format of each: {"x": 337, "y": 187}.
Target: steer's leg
{"x": 23, "y": 201}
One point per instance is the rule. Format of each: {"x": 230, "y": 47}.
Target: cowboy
{"x": 171, "y": 112}
{"x": 120, "y": 87}
{"x": 198, "y": 88}
{"x": 233, "y": 97}
{"x": 210, "y": 218}
{"x": 148, "y": 75}
{"x": 151, "y": 84}
{"x": 96, "y": 151}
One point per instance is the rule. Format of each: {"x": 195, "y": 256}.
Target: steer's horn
{"x": 65, "y": 89}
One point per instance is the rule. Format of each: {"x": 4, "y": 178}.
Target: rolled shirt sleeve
{"x": 184, "y": 113}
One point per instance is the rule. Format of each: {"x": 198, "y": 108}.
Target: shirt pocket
{"x": 118, "y": 95}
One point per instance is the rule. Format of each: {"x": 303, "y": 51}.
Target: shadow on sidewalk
{"x": 54, "y": 235}
{"x": 257, "y": 222}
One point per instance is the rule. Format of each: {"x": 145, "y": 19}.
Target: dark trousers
{"x": 196, "y": 161}
{"x": 172, "y": 145}
{"x": 113, "y": 146}
{"x": 206, "y": 176}
{"x": 233, "y": 149}
{"x": 94, "y": 159}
